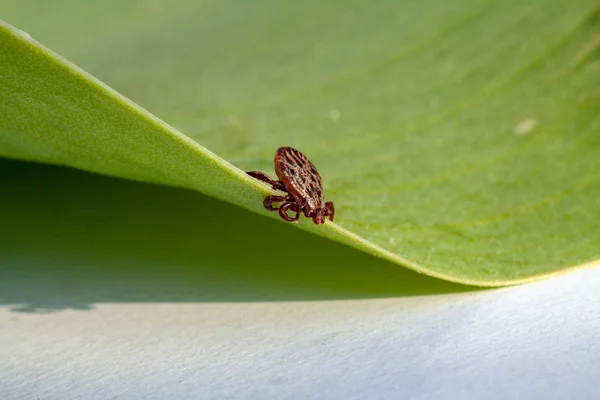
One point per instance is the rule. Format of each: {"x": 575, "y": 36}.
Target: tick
{"x": 299, "y": 178}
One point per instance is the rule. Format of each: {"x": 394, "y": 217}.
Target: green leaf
{"x": 460, "y": 139}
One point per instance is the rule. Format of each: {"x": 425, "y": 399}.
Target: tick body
{"x": 299, "y": 178}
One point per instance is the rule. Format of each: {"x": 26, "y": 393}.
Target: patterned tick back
{"x": 299, "y": 176}
{"x": 300, "y": 179}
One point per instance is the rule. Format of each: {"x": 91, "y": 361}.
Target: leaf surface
{"x": 460, "y": 139}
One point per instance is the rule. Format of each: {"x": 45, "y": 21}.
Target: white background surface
{"x": 108, "y": 290}
{"x": 534, "y": 341}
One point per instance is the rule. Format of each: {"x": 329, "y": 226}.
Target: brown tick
{"x": 299, "y": 178}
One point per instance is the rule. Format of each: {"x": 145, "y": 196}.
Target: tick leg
{"x": 329, "y": 210}
{"x": 289, "y": 206}
{"x": 308, "y": 213}
{"x": 261, "y": 176}
{"x": 269, "y": 200}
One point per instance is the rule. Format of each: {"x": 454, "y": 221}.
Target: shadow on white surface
{"x": 150, "y": 311}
